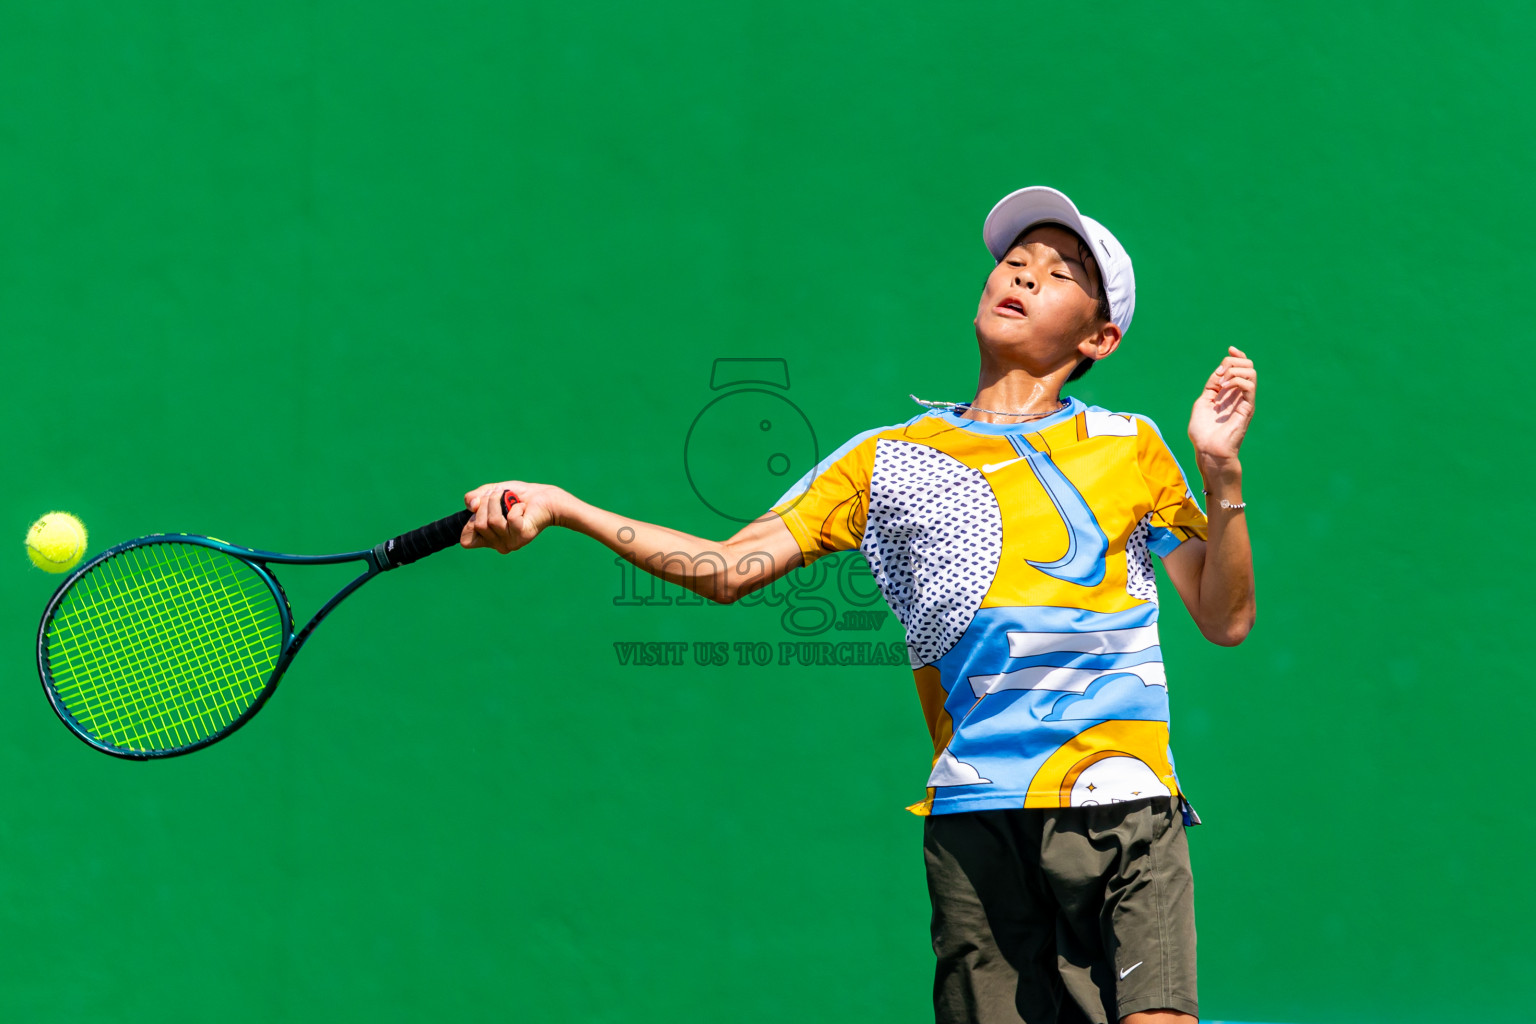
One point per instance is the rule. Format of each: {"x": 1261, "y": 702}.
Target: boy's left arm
{"x": 1215, "y": 576}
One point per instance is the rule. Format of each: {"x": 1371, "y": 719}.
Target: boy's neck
{"x": 1015, "y": 390}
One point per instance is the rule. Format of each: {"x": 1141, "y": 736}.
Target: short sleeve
{"x": 1175, "y": 516}
{"x": 827, "y": 508}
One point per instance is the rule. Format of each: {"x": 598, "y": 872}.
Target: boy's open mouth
{"x": 1011, "y": 307}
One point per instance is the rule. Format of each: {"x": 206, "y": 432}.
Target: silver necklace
{"x": 1060, "y": 405}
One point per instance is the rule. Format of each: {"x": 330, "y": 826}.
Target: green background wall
{"x": 299, "y": 274}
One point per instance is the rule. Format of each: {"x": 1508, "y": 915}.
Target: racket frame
{"x": 375, "y": 557}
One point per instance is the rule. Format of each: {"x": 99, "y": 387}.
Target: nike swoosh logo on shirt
{"x": 1131, "y": 968}
{"x": 993, "y": 467}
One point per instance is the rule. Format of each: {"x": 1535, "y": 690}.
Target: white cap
{"x": 1041, "y": 205}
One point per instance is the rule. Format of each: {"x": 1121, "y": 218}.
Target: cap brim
{"x": 1017, "y": 211}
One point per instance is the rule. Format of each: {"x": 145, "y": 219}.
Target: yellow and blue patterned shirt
{"x": 1018, "y": 559}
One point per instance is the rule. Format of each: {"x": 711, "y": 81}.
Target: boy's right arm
{"x": 722, "y": 571}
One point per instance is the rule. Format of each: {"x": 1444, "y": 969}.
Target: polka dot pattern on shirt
{"x": 1140, "y": 580}
{"x": 933, "y": 541}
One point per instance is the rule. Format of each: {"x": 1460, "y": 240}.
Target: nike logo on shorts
{"x": 1131, "y": 968}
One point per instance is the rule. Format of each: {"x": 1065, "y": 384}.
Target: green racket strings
{"x": 163, "y": 646}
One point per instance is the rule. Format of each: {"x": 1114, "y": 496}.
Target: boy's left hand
{"x": 1221, "y": 415}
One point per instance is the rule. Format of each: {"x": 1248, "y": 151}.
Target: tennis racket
{"x": 165, "y": 644}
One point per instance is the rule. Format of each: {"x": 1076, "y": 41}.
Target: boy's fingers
{"x": 482, "y": 515}
{"x": 476, "y": 498}
{"x": 1248, "y": 387}
{"x": 468, "y": 537}
{"x": 518, "y": 523}
{"x": 1235, "y": 373}
{"x": 521, "y": 528}
{"x": 495, "y": 519}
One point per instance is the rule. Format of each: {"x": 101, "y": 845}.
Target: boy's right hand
{"x": 537, "y": 506}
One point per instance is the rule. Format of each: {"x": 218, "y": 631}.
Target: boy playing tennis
{"x": 1012, "y": 537}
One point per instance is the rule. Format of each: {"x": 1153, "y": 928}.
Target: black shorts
{"x": 1061, "y": 915}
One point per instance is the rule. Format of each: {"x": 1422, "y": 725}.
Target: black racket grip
{"x": 430, "y": 539}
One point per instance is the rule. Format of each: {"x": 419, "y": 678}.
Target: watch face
{"x": 745, "y": 449}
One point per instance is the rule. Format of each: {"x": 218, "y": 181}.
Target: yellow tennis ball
{"x": 56, "y": 542}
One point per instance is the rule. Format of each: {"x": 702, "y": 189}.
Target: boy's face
{"x": 1039, "y": 308}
